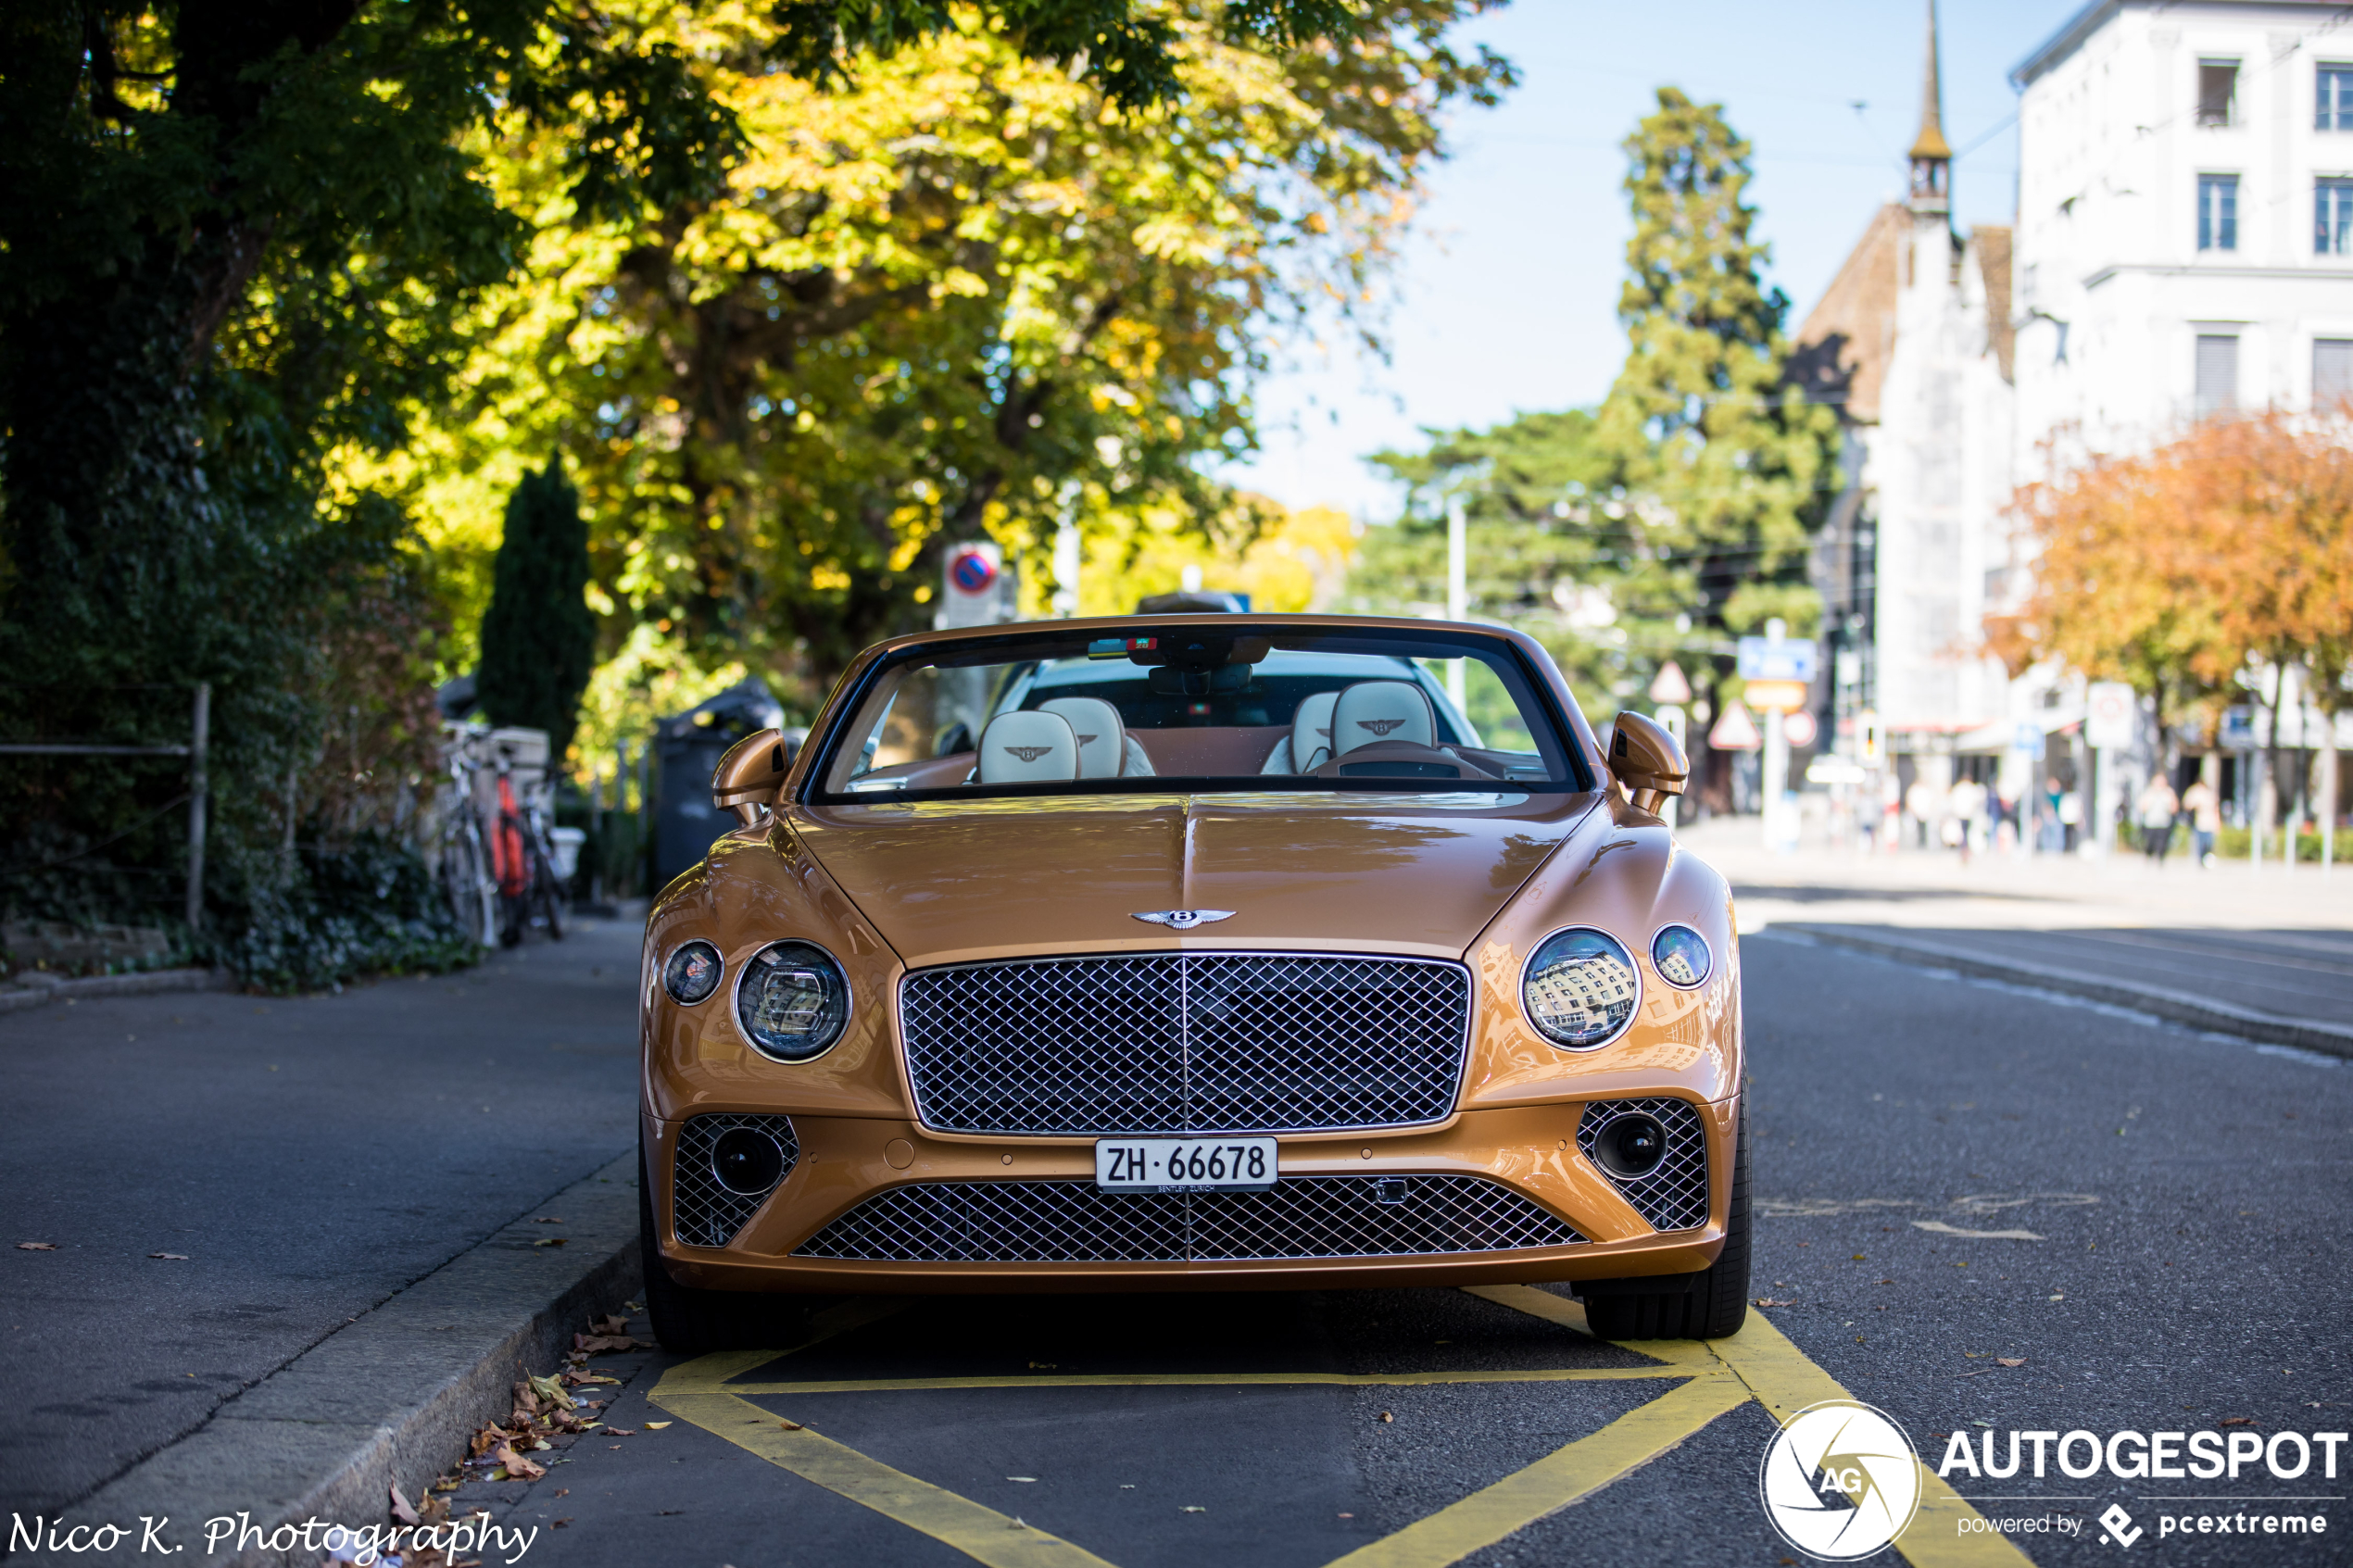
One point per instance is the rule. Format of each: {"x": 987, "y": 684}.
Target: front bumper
{"x": 1526, "y": 1157}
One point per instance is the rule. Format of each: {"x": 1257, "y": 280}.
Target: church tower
{"x": 1932, "y": 157}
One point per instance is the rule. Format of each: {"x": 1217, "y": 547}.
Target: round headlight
{"x": 792, "y": 1000}
{"x": 1581, "y": 988}
{"x": 692, "y": 973}
{"x": 1680, "y": 956}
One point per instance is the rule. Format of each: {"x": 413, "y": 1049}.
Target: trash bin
{"x": 689, "y": 747}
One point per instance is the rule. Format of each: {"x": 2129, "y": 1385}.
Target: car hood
{"x": 953, "y": 881}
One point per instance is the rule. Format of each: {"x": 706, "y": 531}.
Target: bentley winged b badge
{"x": 1183, "y": 919}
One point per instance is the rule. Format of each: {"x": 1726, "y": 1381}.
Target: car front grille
{"x": 703, "y": 1212}
{"x": 1074, "y": 1221}
{"x": 1674, "y": 1195}
{"x": 1185, "y": 1043}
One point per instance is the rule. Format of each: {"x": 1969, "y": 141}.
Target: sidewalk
{"x": 227, "y": 1180}
{"x": 2267, "y": 952}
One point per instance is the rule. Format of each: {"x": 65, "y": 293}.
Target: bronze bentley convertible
{"x": 1218, "y": 952}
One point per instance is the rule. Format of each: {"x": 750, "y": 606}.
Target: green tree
{"x": 538, "y": 638}
{"x": 960, "y": 295}
{"x": 1704, "y": 417}
{"x": 1557, "y": 547}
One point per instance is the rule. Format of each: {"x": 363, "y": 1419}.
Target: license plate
{"x": 1184, "y": 1164}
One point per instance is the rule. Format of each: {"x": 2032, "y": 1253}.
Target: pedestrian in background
{"x": 2203, "y": 804}
{"x": 2156, "y": 808}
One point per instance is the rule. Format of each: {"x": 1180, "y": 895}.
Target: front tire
{"x": 1717, "y": 1303}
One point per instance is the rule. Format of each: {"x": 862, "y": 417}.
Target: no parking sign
{"x": 975, "y": 590}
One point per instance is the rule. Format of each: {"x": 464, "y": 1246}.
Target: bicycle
{"x": 463, "y": 866}
{"x": 530, "y": 894}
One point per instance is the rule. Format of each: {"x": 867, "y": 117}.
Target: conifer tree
{"x": 1704, "y": 416}
{"x": 538, "y": 638}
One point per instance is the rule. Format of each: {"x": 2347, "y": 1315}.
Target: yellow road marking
{"x": 1552, "y": 1483}
{"x": 1211, "y": 1380}
{"x": 691, "y": 1390}
{"x": 1785, "y": 1382}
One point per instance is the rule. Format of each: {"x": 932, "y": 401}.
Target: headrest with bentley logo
{"x": 1378, "y": 711}
{"x": 1024, "y": 747}
{"x": 1103, "y": 739}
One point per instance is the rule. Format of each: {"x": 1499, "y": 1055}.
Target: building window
{"x": 2218, "y": 91}
{"x": 2335, "y": 109}
{"x": 2332, "y": 370}
{"x": 2218, "y": 373}
{"x": 2333, "y": 217}
{"x": 2218, "y": 212}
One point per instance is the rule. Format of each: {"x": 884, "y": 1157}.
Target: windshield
{"x": 1184, "y": 707}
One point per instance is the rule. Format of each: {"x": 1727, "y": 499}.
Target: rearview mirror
{"x": 748, "y": 776}
{"x": 1647, "y": 761}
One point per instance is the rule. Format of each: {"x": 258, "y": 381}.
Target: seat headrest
{"x": 1311, "y": 733}
{"x": 1103, "y": 739}
{"x": 1378, "y": 711}
{"x": 1019, "y": 747}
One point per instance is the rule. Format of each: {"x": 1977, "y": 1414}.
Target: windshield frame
{"x": 850, "y": 701}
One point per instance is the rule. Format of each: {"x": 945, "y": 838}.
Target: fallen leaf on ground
{"x": 656, "y": 1425}
{"x": 791, "y": 1425}
{"x": 174, "y": 1257}
{"x": 596, "y": 1345}
{"x": 548, "y": 1220}
{"x": 2060, "y": 1296}
{"x": 2009, "y": 1361}
{"x": 1770, "y": 1301}
{"x": 517, "y": 1467}
{"x": 620, "y": 1431}
{"x": 563, "y": 1491}
{"x": 401, "y": 1512}
{"x": 36, "y": 1247}
{"x": 1021, "y": 1478}
{"x": 1189, "y": 1508}
{"x": 615, "y": 1325}
{"x": 549, "y": 1241}
{"x": 560, "y": 1524}
{"x": 1387, "y": 1416}
{"x": 578, "y": 1379}
{"x": 2238, "y": 1421}
{"x": 550, "y": 1389}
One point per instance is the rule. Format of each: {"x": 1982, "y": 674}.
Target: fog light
{"x": 747, "y": 1161}
{"x": 1390, "y": 1189}
{"x": 1631, "y": 1147}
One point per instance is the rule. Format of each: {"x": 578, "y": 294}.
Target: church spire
{"x": 1932, "y": 156}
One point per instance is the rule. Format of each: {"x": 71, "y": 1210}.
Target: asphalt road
{"x": 2183, "y": 1195}
{"x": 308, "y": 1156}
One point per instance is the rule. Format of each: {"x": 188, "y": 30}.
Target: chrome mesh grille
{"x": 1067, "y": 1222}
{"x": 1674, "y": 1196}
{"x": 1185, "y": 1043}
{"x": 703, "y": 1212}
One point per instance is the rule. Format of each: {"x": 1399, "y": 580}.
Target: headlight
{"x": 1680, "y": 956}
{"x": 692, "y": 973}
{"x": 1581, "y": 988}
{"x": 792, "y": 1000}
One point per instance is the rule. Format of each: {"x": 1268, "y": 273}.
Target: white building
{"x": 2184, "y": 242}
{"x": 2185, "y": 216}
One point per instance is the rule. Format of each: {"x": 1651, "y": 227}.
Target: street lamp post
{"x": 1457, "y": 592}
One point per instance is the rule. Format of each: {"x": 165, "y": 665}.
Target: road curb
{"x": 2307, "y": 1033}
{"x": 30, "y": 993}
{"x": 394, "y": 1397}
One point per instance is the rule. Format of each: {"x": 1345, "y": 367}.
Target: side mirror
{"x": 748, "y": 776}
{"x": 1647, "y": 761}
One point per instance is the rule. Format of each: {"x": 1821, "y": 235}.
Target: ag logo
{"x": 1379, "y": 726}
{"x": 1027, "y": 753}
{"x": 1840, "y": 1481}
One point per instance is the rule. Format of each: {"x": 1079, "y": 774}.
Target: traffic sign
{"x": 1762, "y": 659}
{"x": 976, "y": 590}
{"x": 1779, "y": 696}
{"x": 1734, "y": 730}
{"x": 2027, "y": 739}
{"x": 2110, "y": 715}
{"x": 1669, "y": 687}
{"x": 1798, "y": 728}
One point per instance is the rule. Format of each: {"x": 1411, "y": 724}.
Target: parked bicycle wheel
{"x": 466, "y": 884}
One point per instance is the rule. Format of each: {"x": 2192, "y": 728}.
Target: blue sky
{"x": 1505, "y": 298}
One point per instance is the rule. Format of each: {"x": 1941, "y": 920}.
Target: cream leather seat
{"x": 1024, "y": 747}
{"x": 1309, "y": 744}
{"x": 1103, "y": 739}
{"x": 1378, "y": 711}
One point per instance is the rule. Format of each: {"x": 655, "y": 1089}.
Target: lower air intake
{"x": 705, "y": 1212}
{"x": 1077, "y": 1223}
{"x": 1674, "y": 1195}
